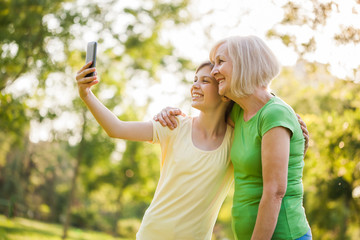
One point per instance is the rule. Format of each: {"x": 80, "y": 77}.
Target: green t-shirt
{"x": 246, "y": 158}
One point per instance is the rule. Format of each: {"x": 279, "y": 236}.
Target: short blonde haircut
{"x": 254, "y": 64}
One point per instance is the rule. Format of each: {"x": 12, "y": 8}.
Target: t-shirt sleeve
{"x": 277, "y": 116}
{"x": 161, "y": 134}
{"x": 235, "y": 112}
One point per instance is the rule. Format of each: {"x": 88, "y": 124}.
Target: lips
{"x": 220, "y": 80}
{"x": 196, "y": 95}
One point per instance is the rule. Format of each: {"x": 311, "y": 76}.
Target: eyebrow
{"x": 218, "y": 56}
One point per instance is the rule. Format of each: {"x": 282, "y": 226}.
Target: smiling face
{"x": 243, "y": 64}
{"x": 204, "y": 91}
{"x": 222, "y": 70}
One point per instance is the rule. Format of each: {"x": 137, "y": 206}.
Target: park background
{"x": 61, "y": 175}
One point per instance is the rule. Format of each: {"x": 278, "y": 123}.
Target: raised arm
{"x": 114, "y": 127}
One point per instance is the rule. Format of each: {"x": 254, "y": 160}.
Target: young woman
{"x": 196, "y": 171}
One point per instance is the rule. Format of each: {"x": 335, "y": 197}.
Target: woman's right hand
{"x": 167, "y": 117}
{"x": 305, "y": 132}
{"x": 85, "y": 83}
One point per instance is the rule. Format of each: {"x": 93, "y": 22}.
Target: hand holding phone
{"x": 91, "y": 56}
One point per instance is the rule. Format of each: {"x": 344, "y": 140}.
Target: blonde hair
{"x": 254, "y": 64}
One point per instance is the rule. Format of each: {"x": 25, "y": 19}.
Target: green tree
{"x": 25, "y": 49}
{"x": 47, "y": 53}
{"x": 142, "y": 54}
{"x": 305, "y": 21}
{"x": 330, "y": 108}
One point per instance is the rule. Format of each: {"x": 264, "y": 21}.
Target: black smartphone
{"x": 91, "y": 56}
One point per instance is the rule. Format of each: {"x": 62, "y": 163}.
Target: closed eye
{"x": 206, "y": 80}
{"x": 218, "y": 60}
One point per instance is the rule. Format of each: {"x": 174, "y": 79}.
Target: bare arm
{"x": 114, "y": 127}
{"x": 275, "y": 148}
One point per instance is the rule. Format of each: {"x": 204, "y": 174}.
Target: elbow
{"x": 111, "y": 134}
{"x": 280, "y": 193}
{"x": 279, "y": 190}
{"x": 117, "y": 135}
{"x": 276, "y": 193}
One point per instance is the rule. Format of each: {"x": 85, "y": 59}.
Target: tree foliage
{"x": 27, "y": 29}
{"x": 330, "y": 108}
{"x": 313, "y": 15}
{"x": 38, "y": 40}
{"x": 43, "y": 42}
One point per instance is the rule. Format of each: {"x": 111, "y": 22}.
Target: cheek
{"x": 215, "y": 93}
{"x": 226, "y": 69}
{"x": 223, "y": 70}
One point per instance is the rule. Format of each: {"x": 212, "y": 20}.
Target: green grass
{"x": 25, "y": 229}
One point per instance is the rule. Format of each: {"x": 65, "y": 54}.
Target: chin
{"x": 196, "y": 105}
{"x": 223, "y": 92}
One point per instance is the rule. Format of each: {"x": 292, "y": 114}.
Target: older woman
{"x": 268, "y": 146}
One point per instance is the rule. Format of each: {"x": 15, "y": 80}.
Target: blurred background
{"x": 62, "y": 177}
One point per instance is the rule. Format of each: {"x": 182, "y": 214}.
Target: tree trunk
{"x": 73, "y": 181}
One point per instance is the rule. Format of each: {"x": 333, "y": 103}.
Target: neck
{"x": 211, "y": 123}
{"x": 253, "y": 103}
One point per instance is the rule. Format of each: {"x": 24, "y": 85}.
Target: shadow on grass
{"x": 34, "y": 230}
{"x": 6, "y": 232}
{"x": 27, "y": 231}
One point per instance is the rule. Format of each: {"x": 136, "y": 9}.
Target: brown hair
{"x": 231, "y": 104}
{"x": 204, "y": 64}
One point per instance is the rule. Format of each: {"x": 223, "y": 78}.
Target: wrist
{"x": 86, "y": 97}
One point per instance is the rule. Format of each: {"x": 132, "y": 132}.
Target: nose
{"x": 195, "y": 85}
{"x": 214, "y": 71}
